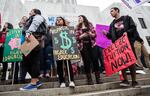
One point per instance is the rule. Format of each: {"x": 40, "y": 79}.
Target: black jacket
{"x": 129, "y": 27}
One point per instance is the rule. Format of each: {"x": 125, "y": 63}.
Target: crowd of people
{"x": 40, "y": 63}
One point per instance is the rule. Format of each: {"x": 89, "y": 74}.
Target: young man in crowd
{"x": 119, "y": 26}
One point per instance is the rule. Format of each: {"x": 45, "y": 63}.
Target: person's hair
{"x": 10, "y": 26}
{"x": 24, "y": 17}
{"x": 116, "y": 9}
{"x": 37, "y": 11}
{"x": 64, "y": 22}
{"x": 85, "y": 21}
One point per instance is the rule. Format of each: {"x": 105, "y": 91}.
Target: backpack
{"x": 41, "y": 29}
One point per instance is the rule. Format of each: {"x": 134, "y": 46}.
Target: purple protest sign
{"x": 101, "y": 39}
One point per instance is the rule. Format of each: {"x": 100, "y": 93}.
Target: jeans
{"x": 90, "y": 58}
{"x": 101, "y": 58}
{"x": 47, "y": 59}
{"x": 60, "y": 70}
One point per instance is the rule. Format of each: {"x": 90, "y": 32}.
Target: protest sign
{"x": 12, "y": 44}
{"x": 118, "y": 56}
{"x": 27, "y": 47}
{"x": 134, "y": 3}
{"x": 101, "y": 39}
{"x": 64, "y": 43}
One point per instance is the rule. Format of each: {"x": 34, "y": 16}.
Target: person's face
{"x": 32, "y": 13}
{"x": 80, "y": 19}
{"x": 59, "y": 22}
{"x": 24, "y": 19}
{"x": 5, "y": 27}
{"x": 113, "y": 12}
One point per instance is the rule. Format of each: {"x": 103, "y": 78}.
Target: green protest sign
{"x": 64, "y": 43}
{"x": 12, "y": 44}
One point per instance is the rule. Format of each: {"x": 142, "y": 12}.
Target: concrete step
{"x": 53, "y": 79}
{"x": 76, "y": 77}
{"x": 143, "y": 91}
{"x": 71, "y": 91}
{"x": 4, "y": 88}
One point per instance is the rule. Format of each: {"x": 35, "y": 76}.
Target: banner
{"x": 27, "y": 47}
{"x": 69, "y": 20}
{"x": 118, "y": 56}
{"x": 12, "y": 44}
{"x": 101, "y": 39}
{"x": 64, "y": 43}
{"x": 52, "y": 20}
{"x": 134, "y": 3}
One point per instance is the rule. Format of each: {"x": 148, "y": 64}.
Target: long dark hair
{"x": 10, "y": 26}
{"x": 85, "y": 21}
{"x": 64, "y": 22}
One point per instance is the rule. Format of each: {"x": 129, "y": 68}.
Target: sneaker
{"x": 47, "y": 75}
{"x": 145, "y": 69}
{"x": 41, "y": 76}
{"x": 28, "y": 87}
{"x": 135, "y": 84}
{"x": 38, "y": 84}
{"x": 71, "y": 84}
{"x": 125, "y": 83}
{"x": 62, "y": 85}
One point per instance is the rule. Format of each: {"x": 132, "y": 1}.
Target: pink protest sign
{"x": 101, "y": 39}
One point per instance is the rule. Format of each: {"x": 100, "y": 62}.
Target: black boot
{"x": 97, "y": 76}
{"x": 89, "y": 79}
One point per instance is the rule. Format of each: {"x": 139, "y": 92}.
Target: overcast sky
{"x": 102, "y": 4}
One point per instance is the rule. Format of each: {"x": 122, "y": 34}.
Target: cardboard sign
{"x": 64, "y": 43}
{"x": 101, "y": 39}
{"x": 27, "y": 47}
{"x": 118, "y": 56}
{"x": 12, "y": 44}
{"x": 134, "y": 3}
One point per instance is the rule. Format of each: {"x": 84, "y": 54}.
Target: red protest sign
{"x": 118, "y": 56}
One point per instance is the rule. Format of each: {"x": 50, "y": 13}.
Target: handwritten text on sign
{"x": 118, "y": 56}
{"x": 12, "y": 45}
{"x": 64, "y": 43}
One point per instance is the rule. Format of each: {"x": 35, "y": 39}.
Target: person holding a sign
{"x": 35, "y": 25}
{"x": 86, "y": 35}
{"x": 23, "y": 71}
{"x": 119, "y": 26}
{"x": 3, "y": 33}
{"x": 60, "y": 21}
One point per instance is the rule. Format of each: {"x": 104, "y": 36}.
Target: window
{"x": 143, "y": 25}
{"x": 148, "y": 39}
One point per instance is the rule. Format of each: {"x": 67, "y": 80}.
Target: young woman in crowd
{"x": 23, "y": 71}
{"x": 2, "y": 41}
{"x": 86, "y": 35}
{"x": 47, "y": 59}
{"x": 61, "y": 22}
